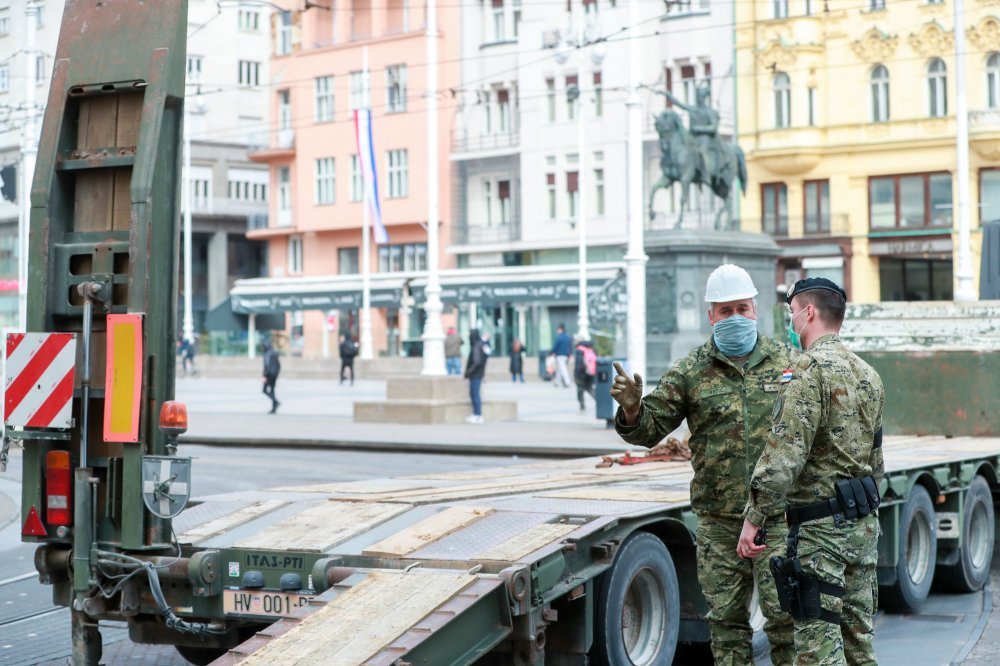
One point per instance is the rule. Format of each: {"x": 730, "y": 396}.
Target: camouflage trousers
{"x": 846, "y": 557}
{"x": 727, "y": 582}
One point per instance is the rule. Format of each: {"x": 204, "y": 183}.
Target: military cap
{"x": 813, "y": 283}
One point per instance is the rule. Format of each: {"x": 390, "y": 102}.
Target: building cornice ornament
{"x": 986, "y": 36}
{"x": 776, "y": 56}
{"x": 933, "y": 41}
{"x": 875, "y": 46}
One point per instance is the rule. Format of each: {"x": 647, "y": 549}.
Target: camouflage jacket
{"x": 824, "y": 428}
{"x": 728, "y": 409}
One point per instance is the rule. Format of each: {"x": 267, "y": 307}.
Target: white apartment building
{"x": 516, "y": 151}
{"x": 229, "y": 47}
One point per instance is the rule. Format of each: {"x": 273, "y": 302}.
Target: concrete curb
{"x": 540, "y": 451}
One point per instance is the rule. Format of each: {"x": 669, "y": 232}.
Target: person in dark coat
{"x": 475, "y": 368}
{"x": 516, "y": 361}
{"x": 272, "y": 366}
{"x": 348, "y": 350}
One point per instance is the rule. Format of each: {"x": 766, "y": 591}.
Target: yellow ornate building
{"x": 846, "y": 112}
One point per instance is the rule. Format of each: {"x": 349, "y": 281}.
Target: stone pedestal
{"x": 418, "y": 399}
{"x": 680, "y": 262}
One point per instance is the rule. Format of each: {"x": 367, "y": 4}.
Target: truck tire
{"x": 917, "y": 554}
{"x": 972, "y": 569}
{"x": 200, "y": 655}
{"x": 638, "y": 606}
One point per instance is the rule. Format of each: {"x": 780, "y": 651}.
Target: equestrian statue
{"x": 696, "y": 155}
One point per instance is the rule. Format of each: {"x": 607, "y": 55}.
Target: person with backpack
{"x": 584, "y": 370}
{"x": 348, "y": 350}
{"x": 272, "y": 367}
{"x": 517, "y": 361}
{"x": 475, "y": 368}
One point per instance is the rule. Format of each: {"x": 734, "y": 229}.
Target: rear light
{"x": 58, "y": 488}
{"x": 173, "y": 418}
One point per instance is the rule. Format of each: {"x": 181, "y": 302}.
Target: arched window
{"x": 937, "y": 88}
{"x": 782, "y": 100}
{"x": 993, "y": 80}
{"x": 878, "y": 85}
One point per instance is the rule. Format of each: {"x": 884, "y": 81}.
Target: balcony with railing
{"x": 790, "y": 227}
{"x": 468, "y": 145}
{"x": 281, "y": 146}
{"x": 225, "y": 207}
{"x": 504, "y": 232}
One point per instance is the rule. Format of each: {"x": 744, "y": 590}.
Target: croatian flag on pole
{"x": 369, "y": 173}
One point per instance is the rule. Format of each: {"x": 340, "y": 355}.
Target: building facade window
{"x": 284, "y": 196}
{"x": 599, "y": 191}
{"x": 284, "y": 110}
{"x": 779, "y": 8}
{"x": 39, "y": 16}
{"x": 4, "y": 78}
{"x": 284, "y": 41}
{"x": 358, "y": 97}
{"x": 399, "y": 175}
{"x": 395, "y": 89}
{"x": 774, "y": 209}
{"x": 875, "y": 5}
{"x": 811, "y": 104}
{"x": 498, "y": 21}
{"x": 295, "y": 263}
{"x": 486, "y": 100}
{"x": 244, "y": 190}
{"x": 326, "y": 181}
{"x": 41, "y": 71}
{"x": 688, "y": 84}
{"x": 989, "y": 195}
{"x": 347, "y": 261}
{"x": 909, "y": 201}
{"x": 4, "y": 22}
{"x": 200, "y": 192}
{"x": 993, "y": 80}
{"x": 550, "y": 99}
{"x": 249, "y": 20}
{"x": 249, "y": 73}
{"x": 195, "y": 64}
{"x": 407, "y": 257}
{"x": 816, "y": 206}
{"x": 488, "y": 201}
{"x": 324, "y": 98}
{"x": 572, "y": 192}
{"x": 937, "y": 88}
{"x": 550, "y": 190}
{"x": 503, "y": 110}
{"x": 572, "y": 100}
{"x": 357, "y": 185}
{"x": 503, "y": 198}
{"x": 782, "y": 100}
{"x": 878, "y": 88}
{"x": 908, "y": 279}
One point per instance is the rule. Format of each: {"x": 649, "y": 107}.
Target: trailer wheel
{"x": 972, "y": 569}
{"x": 200, "y": 655}
{"x": 917, "y": 554}
{"x": 638, "y": 606}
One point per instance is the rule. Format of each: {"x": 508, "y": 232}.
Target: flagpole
{"x": 367, "y": 352}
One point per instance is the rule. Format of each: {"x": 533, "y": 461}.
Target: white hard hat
{"x": 727, "y": 283}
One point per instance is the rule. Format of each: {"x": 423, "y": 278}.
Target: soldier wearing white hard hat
{"x": 726, "y": 389}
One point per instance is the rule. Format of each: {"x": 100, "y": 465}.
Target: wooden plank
{"x": 490, "y": 489}
{"x": 356, "y": 488}
{"x": 239, "y": 517}
{"x": 623, "y": 494}
{"x": 121, "y": 212}
{"x": 427, "y": 531}
{"x": 322, "y": 527}
{"x": 359, "y": 623}
{"x": 92, "y": 210}
{"x": 470, "y": 476}
{"x": 129, "y": 115}
{"x": 533, "y": 538}
{"x": 98, "y": 122}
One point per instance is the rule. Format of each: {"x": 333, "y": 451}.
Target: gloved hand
{"x": 627, "y": 391}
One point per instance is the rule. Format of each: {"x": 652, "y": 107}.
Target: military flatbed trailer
{"x": 527, "y": 564}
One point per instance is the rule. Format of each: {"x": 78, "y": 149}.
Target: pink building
{"x": 315, "y": 217}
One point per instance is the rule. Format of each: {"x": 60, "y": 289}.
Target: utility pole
{"x": 188, "y": 324}
{"x": 963, "y": 265}
{"x": 367, "y": 344}
{"x": 635, "y": 257}
{"x": 29, "y": 150}
{"x": 433, "y": 337}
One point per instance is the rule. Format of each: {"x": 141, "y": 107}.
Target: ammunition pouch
{"x": 855, "y": 498}
{"x": 799, "y": 593}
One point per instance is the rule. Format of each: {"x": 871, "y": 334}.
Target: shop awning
{"x": 262, "y": 295}
{"x": 223, "y": 318}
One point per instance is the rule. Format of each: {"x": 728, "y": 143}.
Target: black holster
{"x": 798, "y": 592}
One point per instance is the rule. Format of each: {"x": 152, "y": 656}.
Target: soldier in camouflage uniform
{"x": 726, "y": 389}
{"x": 827, "y": 427}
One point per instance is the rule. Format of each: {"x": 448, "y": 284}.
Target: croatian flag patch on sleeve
{"x": 787, "y": 376}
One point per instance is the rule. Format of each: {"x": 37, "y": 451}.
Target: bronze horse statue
{"x": 681, "y": 162}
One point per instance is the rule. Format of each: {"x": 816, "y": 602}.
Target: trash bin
{"x": 606, "y": 406}
{"x": 542, "y": 370}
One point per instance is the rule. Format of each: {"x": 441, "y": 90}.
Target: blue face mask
{"x": 735, "y": 335}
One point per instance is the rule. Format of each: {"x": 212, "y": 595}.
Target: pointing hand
{"x": 627, "y": 391}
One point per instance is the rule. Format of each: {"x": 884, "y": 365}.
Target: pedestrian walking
{"x": 516, "y": 361}
{"x": 823, "y": 466}
{"x": 348, "y": 350}
{"x": 475, "y": 368}
{"x": 188, "y": 350}
{"x": 272, "y": 367}
{"x": 726, "y": 389}
{"x": 584, "y": 370}
{"x": 562, "y": 346}
{"x": 453, "y": 352}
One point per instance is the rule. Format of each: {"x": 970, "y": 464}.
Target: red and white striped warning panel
{"x": 38, "y": 381}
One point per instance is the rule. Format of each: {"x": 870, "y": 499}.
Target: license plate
{"x": 262, "y": 603}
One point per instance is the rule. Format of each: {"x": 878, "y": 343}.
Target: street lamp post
{"x": 29, "y": 150}
{"x": 584, "y": 41}
{"x": 965, "y": 291}
{"x": 188, "y": 324}
{"x": 635, "y": 258}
